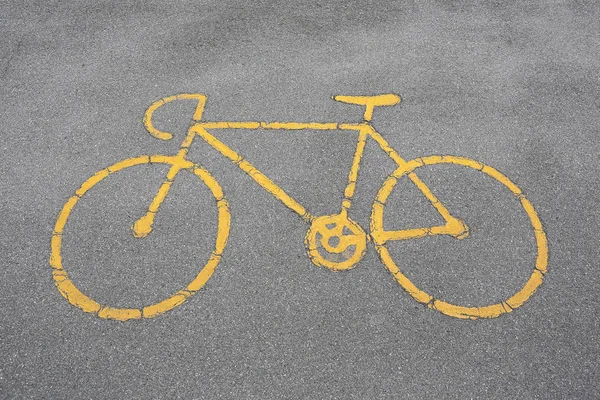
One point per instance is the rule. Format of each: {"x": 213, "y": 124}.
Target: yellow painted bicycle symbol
{"x": 332, "y": 241}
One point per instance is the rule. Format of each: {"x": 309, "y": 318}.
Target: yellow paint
{"x": 294, "y": 126}
{"x": 541, "y": 263}
{"x": 535, "y": 280}
{"x": 166, "y": 305}
{"x": 55, "y": 259}
{"x": 200, "y": 98}
{"x": 353, "y": 174}
{"x": 62, "y": 217}
{"x": 97, "y": 177}
{"x": 206, "y": 273}
{"x": 161, "y": 159}
{"x": 75, "y": 297}
{"x": 120, "y": 314}
{"x": 503, "y": 180}
{"x": 332, "y": 241}
{"x": 185, "y": 147}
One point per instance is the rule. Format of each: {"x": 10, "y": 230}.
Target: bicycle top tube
{"x": 323, "y": 126}
{"x": 369, "y": 102}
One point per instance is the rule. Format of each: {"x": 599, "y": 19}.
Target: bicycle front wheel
{"x": 454, "y": 310}
{"x": 69, "y": 291}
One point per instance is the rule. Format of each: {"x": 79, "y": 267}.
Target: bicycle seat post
{"x": 370, "y": 102}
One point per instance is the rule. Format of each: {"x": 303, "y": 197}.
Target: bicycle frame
{"x": 453, "y": 226}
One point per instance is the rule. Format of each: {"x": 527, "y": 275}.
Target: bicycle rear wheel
{"x": 458, "y": 311}
{"x": 69, "y": 291}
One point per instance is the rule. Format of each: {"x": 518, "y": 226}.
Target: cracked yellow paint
{"x": 332, "y": 241}
{"x": 68, "y": 289}
{"x": 458, "y": 229}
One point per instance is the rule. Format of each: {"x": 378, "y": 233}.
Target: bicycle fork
{"x": 143, "y": 226}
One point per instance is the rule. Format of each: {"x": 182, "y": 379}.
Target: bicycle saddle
{"x": 379, "y": 100}
{"x": 370, "y": 102}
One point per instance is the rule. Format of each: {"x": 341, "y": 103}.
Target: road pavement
{"x": 512, "y": 85}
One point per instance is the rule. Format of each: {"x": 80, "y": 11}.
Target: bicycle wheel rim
{"x": 488, "y": 311}
{"x": 69, "y": 290}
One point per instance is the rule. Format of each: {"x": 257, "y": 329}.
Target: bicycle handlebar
{"x": 159, "y": 103}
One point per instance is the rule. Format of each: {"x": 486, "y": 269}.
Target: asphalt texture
{"x": 514, "y": 85}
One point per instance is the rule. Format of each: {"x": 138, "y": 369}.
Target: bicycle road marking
{"x": 68, "y": 289}
{"x": 319, "y": 225}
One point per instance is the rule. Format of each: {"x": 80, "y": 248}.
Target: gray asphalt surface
{"x": 512, "y": 85}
